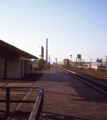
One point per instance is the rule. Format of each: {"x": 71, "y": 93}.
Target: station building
{"x": 14, "y": 63}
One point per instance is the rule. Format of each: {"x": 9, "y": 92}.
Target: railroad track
{"x": 100, "y": 86}
{"x": 94, "y": 74}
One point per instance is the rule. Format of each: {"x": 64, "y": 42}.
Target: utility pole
{"x": 76, "y": 62}
{"x": 106, "y": 63}
{"x": 49, "y": 61}
{"x": 90, "y": 62}
{"x": 42, "y": 55}
{"x": 71, "y": 59}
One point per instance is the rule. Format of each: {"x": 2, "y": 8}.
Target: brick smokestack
{"x": 46, "y": 50}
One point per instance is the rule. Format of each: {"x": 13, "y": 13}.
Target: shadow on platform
{"x": 54, "y": 116}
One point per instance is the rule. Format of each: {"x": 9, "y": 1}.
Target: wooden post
{"x": 5, "y": 69}
{"x": 7, "y": 100}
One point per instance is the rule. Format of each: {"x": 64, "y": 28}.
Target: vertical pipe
{"x": 106, "y": 65}
{"x": 49, "y": 61}
{"x": 7, "y": 100}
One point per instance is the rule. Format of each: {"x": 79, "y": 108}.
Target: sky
{"x": 71, "y": 26}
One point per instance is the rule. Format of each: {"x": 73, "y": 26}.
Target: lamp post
{"x": 49, "y": 61}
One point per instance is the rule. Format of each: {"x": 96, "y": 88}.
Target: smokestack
{"x": 42, "y": 52}
{"x": 46, "y": 50}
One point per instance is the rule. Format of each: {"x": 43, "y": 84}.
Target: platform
{"x": 66, "y": 98}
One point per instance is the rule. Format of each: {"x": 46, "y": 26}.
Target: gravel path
{"x": 66, "y": 98}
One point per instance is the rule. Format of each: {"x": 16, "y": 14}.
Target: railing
{"x": 35, "y": 114}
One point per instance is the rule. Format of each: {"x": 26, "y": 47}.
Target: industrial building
{"x": 96, "y": 65}
{"x": 14, "y": 63}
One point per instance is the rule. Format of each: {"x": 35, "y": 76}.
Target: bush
{"x": 41, "y": 64}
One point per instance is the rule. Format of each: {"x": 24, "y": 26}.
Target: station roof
{"x": 9, "y": 51}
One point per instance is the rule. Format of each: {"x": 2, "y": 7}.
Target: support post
{"x": 7, "y": 100}
{"x": 5, "y": 69}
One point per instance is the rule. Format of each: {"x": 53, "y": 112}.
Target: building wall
{"x": 98, "y": 65}
{"x": 60, "y": 63}
{"x": 16, "y": 68}
{"x": 25, "y": 65}
{"x": 1, "y": 67}
{"x": 13, "y": 68}
{"x": 66, "y": 62}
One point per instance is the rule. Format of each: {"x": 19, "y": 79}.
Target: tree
{"x": 99, "y": 60}
{"x": 41, "y": 63}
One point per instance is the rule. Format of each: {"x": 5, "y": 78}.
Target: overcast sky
{"x": 71, "y": 26}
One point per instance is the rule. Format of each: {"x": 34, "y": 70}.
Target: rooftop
{"x": 9, "y": 51}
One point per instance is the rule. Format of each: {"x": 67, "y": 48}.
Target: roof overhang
{"x": 9, "y": 51}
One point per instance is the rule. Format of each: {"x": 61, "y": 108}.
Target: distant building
{"x": 14, "y": 63}
{"x": 97, "y": 65}
{"x": 60, "y": 63}
{"x": 86, "y": 64}
{"x": 66, "y": 62}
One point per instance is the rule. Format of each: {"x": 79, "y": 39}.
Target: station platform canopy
{"x": 9, "y": 51}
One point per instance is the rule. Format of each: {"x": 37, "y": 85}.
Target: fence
{"x": 35, "y": 114}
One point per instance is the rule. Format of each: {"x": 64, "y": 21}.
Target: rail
{"x": 35, "y": 114}
{"x": 74, "y": 74}
{"x": 98, "y": 74}
{"x": 38, "y": 102}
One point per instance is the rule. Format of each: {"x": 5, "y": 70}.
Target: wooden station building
{"x": 14, "y": 63}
